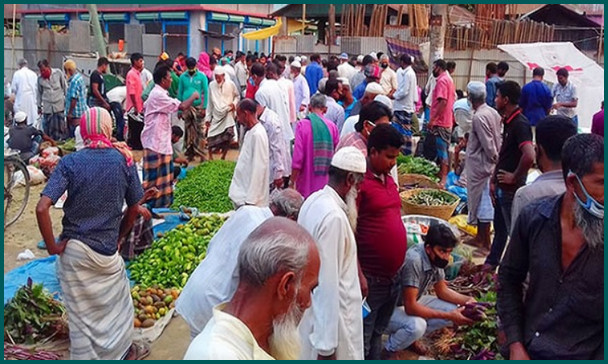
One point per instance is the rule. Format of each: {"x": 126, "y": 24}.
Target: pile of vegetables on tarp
{"x": 416, "y": 165}
{"x": 206, "y": 187}
{"x": 34, "y": 316}
{"x": 172, "y": 258}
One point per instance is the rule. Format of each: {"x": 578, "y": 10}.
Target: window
{"x": 116, "y": 31}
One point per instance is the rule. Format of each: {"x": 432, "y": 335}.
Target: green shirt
{"x": 172, "y": 90}
{"x": 188, "y": 84}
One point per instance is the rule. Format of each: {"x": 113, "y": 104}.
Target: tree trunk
{"x": 100, "y": 43}
{"x": 437, "y": 31}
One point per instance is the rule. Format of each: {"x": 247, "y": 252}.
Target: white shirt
{"x": 221, "y": 97}
{"x": 334, "y": 112}
{"x": 406, "y": 95}
{"x": 334, "y": 322}
{"x": 428, "y": 90}
{"x": 346, "y": 70}
{"x": 25, "y": 86}
{"x": 215, "y": 279}
{"x": 118, "y": 94}
{"x": 349, "y": 126}
{"x": 249, "y": 184}
{"x": 301, "y": 92}
{"x": 241, "y": 73}
{"x": 287, "y": 88}
{"x": 146, "y": 77}
{"x": 280, "y": 159}
{"x": 225, "y": 338}
{"x": 268, "y": 95}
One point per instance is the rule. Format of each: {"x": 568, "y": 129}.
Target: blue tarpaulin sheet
{"x": 43, "y": 270}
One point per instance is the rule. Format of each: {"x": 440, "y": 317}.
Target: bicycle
{"x": 16, "y": 188}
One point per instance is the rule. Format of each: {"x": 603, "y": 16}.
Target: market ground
{"x": 24, "y": 234}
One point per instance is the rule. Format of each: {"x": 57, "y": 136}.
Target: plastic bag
{"x": 47, "y": 152}
{"x": 36, "y": 176}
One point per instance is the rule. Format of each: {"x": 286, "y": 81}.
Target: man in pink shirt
{"x": 156, "y": 137}
{"x": 315, "y": 141}
{"x": 134, "y": 103}
{"x": 442, "y": 115}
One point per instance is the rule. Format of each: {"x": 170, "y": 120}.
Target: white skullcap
{"x": 344, "y": 81}
{"x": 303, "y": 59}
{"x": 360, "y": 58}
{"x": 476, "y": 88}
{"x": 219, "y": 70}
{"x": 385, "y": 100}
{"x": 374, "y": 88}
{"x": 20, "y": 117}
{"x": 374, "y": 56}
{"x": 297, "y": 58}
{"x": 296, "y": 64}
{"x": 349, "y": 159}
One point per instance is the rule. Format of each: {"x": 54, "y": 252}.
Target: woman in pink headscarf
{"x": 203, "y": 65}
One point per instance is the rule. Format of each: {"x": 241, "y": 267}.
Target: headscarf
{"x": 203, "y": 64}
{"x": 96, "y": 131}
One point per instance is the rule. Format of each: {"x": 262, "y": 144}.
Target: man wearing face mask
{"x": 51, "y": 100}
{"x": 388, "y": 78}
{"x": 418, "y": 312}
{"x": 558, "y": 242}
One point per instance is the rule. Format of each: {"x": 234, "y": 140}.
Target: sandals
{"x": 138, "y": 351}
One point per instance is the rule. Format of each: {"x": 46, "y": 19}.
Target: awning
{"x": 228, "y": 18}
{"x": 216, "y": 35}
{"x": 264, "y": 33}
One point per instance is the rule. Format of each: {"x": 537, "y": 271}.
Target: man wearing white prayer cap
{"x": 221, "y": 112}
{"x": 330, "y": 215}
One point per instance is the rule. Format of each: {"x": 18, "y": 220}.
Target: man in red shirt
{"x": 134, "y": 103}
{"x": 381, "y": 239}
{"x": 442, "y": 115}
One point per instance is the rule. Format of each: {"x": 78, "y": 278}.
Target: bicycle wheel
{"x": 16, "y": 189}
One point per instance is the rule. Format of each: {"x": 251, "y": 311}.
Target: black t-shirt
{"x": 516, "y": 134}
{"x": 97, "y": 77}
{"x": 20, "y": 137}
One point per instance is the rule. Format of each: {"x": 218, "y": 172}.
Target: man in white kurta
{"x": 24, "y": 87}
{"x": 249, "y": 184}
{"x": 280, "y": 159}
{"x": 270, "y": 96}
{"x": 223, "y": 97}
{"x": 225, "y": 338}
{"x": 333, "y": 325}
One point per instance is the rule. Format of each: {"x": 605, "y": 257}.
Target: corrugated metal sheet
{"x": 363, "y": 45}
{"x": 305, "y": 44}
{"x": 285, "y": 45}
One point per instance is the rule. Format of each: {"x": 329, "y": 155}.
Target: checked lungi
{"x": 158, "y": 172}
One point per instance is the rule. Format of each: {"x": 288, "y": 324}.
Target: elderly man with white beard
{"x": 333, "y": 327}
{"x": 558, "y": 242}
{"x": 278, "y": 269}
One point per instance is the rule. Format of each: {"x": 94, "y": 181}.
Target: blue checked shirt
{"x": 98, "y": 182}
{"x": 76, "y": 90}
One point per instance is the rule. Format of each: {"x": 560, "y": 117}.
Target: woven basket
{"x": 411, "y": 180}
{"x": 442, "y": 212}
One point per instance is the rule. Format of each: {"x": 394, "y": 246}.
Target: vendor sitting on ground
{"x": 24, "y": 138}
{"x": 176, "y": 134}
{"x": 422, "y": 313}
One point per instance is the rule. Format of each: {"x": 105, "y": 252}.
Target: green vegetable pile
{"x": 432, "y": 198}
{"x": 206, "y": 187}
{"x": 68, "y": 144}
{"x": 407, "y": 164}
{"x": 33, "y": 316}
{"x": 172, "y": 258}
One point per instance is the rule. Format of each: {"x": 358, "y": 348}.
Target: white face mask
{"x": 591, "y": 205}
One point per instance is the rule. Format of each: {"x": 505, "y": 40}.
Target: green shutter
{"x": 255, "y": 21}
{"x": 219, "y": 17}
{"x": 174, "y": 15}
{"x": 237, "y": 19}
{"x": 147, "y": 16}
{"x": 268, "y": 22}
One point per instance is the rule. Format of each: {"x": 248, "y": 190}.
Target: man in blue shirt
{"x": 314, "y": 73}
{"x": 536, "y": 98}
